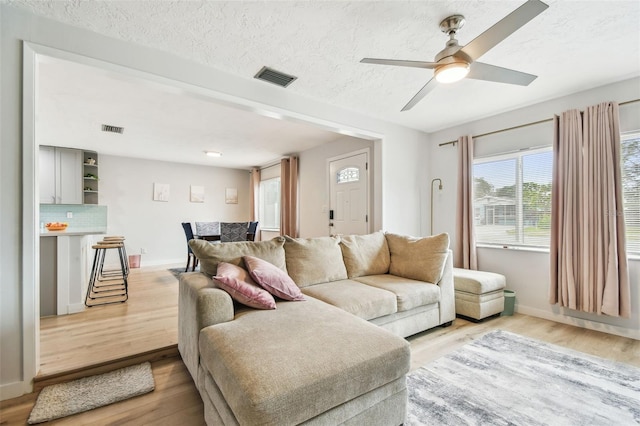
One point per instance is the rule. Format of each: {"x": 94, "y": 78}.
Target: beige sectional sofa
{"x": 337, "y": 357}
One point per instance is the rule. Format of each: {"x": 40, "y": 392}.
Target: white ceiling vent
{"x": 276, "y": 77}
{"x": 112, "y": 129}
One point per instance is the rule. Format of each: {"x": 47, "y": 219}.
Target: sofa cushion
{"x": 272, "y": 279}
{"x": 356, "y": 298}
{"x": 409, "y": 293}
{"x": 238, "y": 283}
{"x": 314, "y": 260}
{"x": 477, "y": 282}
{"x": 420, "y": 259}
{"x": 211, "y": 254}
{"x": 291, "y": 364}
{"x": 365, "y": 254}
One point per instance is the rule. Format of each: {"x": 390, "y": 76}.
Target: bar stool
{"x": 112, "y": 274}
{"x": 111, "y": 292}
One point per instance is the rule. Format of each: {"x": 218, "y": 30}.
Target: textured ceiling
{"x": 572, "y": 46}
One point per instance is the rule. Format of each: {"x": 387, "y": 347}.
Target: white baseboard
{"x": 13, "y": 390}
{"x": 75, "y": 308}
{"x": 580, "y": 322}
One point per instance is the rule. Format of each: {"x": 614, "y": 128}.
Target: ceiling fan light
{"x": 451, "y": 73}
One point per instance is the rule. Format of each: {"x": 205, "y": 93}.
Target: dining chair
{"x": 252, "y": 231}
{"x": 233, "y": 231}
{"x": 191, "y": 258}
{"x": 207, "y": 228}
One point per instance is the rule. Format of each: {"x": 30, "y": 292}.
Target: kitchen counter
{"x": 65, "y": 265}
{"x": 69, "y": 232}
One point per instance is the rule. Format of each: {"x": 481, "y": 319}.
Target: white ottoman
{"x": 479, "y": 294}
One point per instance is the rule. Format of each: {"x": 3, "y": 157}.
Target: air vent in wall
{"x": 112, "y": 129}
{"x": 276, "y": 77}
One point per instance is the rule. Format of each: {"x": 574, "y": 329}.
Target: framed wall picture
{"x": 231, "y": 196}
{"x": 197, "y": 194}
{"x": 160, "y": 192}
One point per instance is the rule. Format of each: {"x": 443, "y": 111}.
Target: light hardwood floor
{"x": 146, "y": 322}
{"x": 175, "y": 401}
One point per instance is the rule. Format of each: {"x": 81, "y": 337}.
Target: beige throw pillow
{"x": 211, "y": 254}
{"x": 418, "y": 258}
{"x": 314, "y": 260}
{"x": 365, "y": 254}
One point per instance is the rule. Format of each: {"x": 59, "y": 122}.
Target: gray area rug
{"x": 506, "y": 379}
{"x": 65, "y": 399}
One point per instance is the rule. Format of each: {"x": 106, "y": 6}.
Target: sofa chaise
{"x": 336, "y": 357}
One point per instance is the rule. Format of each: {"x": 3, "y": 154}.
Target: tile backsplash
{"x": 85, "y": 216}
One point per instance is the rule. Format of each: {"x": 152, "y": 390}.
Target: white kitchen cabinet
{"x": 47, "y": 170}
{"x": 60, "y": 175}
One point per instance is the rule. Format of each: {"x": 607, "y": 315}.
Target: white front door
{"x": 348, "y": 191}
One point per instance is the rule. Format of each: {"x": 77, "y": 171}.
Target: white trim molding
{"x": 14, "y": 390}
{"x": 579, "y": 322}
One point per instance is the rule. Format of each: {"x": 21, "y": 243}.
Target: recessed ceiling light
{"x": 213, "y": 153}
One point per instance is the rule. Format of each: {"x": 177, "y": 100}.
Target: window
{"x": 348, "y": 174}
{"x": 512, "y": 198}
{"x": 630, "y": 159}
{"x": 270, "y": 204}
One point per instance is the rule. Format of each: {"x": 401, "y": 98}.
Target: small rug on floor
{"x": 506, "y": 379}
{"x": 65, "y": 399}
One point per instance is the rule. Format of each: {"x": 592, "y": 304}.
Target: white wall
{"x": 527, "y": 272}
{"x": 397, "y": 184}
{"x": 12, "y": 324}
{"x": 126, "y": 188}
{"x": 314, "y": 187}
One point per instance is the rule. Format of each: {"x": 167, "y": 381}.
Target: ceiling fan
{"x": 454, "y": 63}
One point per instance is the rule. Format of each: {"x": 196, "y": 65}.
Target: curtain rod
{"x": 522, "y": 125}
{"x": 277, "y": 163}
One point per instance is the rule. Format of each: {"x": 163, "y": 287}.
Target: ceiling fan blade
{"x": 399, "y": 63}
{"x": 482, "y": 71}
{"x": 504, "y": 28}
{"x": 431, "y": 84}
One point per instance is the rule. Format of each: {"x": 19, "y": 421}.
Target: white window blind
{"x": 512, "y": 198}
{"x": 630, "y": 165}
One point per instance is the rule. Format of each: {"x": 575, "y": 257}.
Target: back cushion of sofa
{"x": 211, "y": 254}
{"x": 418, "y": 258}
{"x": 314, "y": 260}
{"x": 365, "y": 254}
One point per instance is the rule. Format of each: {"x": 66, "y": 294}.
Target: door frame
{"x": 30, "y": 237}
{"x": 369, "y": 179}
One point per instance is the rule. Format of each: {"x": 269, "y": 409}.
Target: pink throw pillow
{"x": 237, "y": 282}
{"x": 272, "y": 279}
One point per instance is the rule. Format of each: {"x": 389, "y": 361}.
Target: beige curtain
{"x": 289, "y": 196}
{"x": 588, "y": 256}
{"x": 254, "y": 189}
{"x": 465, "y": 249}
{"x": 255, "y": 194}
